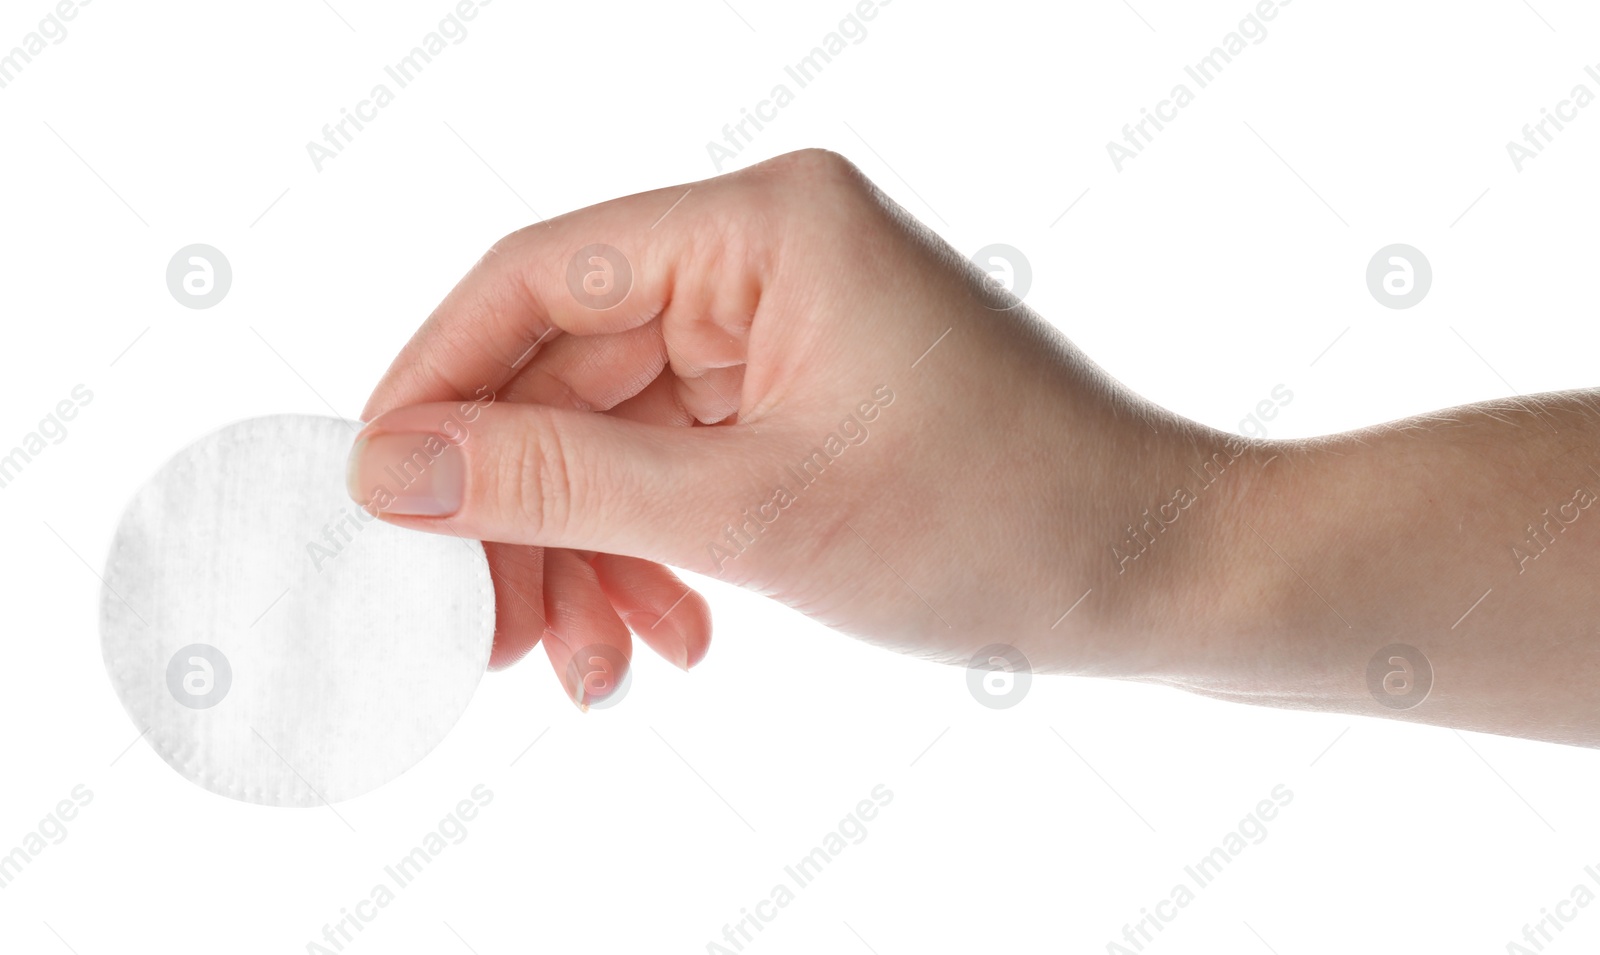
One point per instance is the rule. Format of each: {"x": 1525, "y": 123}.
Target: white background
{"x": 1223, "y": 261}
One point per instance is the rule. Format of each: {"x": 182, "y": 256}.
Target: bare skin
{"x": 1468, "y": 534}
{"x": 979, "y": 482}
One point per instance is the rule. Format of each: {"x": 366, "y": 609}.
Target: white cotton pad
{"x": 278, "y": 644}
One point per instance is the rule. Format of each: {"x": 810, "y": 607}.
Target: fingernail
{"x": 571, "y": 676}
{"x": 577, "y": 694}
{"x": 407, "y": 474}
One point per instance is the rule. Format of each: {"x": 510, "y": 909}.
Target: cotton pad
{"x": 278, "y": 644}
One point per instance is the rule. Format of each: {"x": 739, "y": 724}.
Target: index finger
{"x": 607, "y": 268}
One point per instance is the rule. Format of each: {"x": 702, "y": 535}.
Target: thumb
{"x": 551, "y": 477}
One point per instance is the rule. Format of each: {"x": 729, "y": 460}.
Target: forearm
{"x": 1469, "y": 535}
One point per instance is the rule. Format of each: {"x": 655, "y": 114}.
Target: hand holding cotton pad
{"x": 278, "y": 644}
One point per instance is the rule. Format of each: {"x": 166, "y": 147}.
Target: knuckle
{"x": 808, "y": 195}
{"x": 818, "y": 163}
{"x": 806, "y": 171}
{"x": 517, "y": 238}
{"x": 540, "y": 476}
{"x": 501, "y": 246}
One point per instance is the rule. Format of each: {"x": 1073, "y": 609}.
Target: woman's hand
{"x": 780, "y": 379}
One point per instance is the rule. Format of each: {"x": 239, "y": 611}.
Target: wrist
{"x": 1179, "y": 506}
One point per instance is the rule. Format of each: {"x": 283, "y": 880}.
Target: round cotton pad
{"x": 275, "y": 642}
